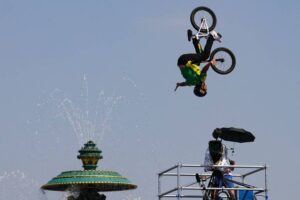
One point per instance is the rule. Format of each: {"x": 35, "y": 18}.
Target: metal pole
{"x": 168, "y": 170}
{"x": 266, "y": 183}
{"x": 159, "y": 187}
{"x": 190, "y": 165}
{"x": 217, "y": 166}
{"x": 168, "y": 192}
{"x": 254, "y": 171}
{"x": 178, "y": 181}
{"x": 225, "y": 189}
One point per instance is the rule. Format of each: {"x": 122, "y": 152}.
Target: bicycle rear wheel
{"x": 225, "y": 60}
{"x": 223, "y": 195}
{"x": 203, "y": 12}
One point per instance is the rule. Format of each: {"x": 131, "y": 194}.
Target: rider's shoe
{"x": 217, "y": 36}
{"x": 189, "y": 34}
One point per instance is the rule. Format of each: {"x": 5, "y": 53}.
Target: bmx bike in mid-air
{"x": 204, "y": 20}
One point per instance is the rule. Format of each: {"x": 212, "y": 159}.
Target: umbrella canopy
{"x": 233, "y": 134}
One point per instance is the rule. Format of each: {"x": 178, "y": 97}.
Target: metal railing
{"x": 186, "y": 188}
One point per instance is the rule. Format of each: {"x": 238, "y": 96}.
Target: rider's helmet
{"x": 216, "y": 150}
{"x": 199, "y": 90}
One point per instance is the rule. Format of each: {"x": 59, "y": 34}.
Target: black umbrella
{"x": 233, "y": 134}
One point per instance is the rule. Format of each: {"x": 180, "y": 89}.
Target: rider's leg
{"x": 197, "y": 46}
{"x": 185, "y": 60}
{"x": 197, "y": 58}
{"x": 208, "y": 46}
{"x": 196, "y": 42}
{"x": 194, "y": 58}
{"x": 213, "y": 35}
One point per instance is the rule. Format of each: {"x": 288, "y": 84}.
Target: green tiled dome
{"x": 89, "y": 179}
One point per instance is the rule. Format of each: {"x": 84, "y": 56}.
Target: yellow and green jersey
{"x": 192, "y": 74}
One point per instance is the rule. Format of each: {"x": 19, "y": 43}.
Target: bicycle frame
{"x": 199, "y": 34}
{"x": 203, "y": 26}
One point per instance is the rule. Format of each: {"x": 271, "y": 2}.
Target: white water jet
{"x": 86, "y": 126}
{"x": 17, "y": 185}
{"x": 88, "y": 120}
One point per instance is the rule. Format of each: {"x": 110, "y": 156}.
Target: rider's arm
{"x": 206, "y": 67}
{"x": 182, "y": 84}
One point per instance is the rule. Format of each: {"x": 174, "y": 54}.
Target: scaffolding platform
{"x": 250, "y": 182}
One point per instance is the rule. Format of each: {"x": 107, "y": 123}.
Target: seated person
{"x": 216, "y": 154}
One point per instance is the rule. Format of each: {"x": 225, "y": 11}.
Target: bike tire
{"x": 210, "y": 13}
{"x": 223, "y": 195}
{"x": 226, "y": 62}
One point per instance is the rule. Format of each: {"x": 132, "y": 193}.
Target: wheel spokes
{"x": 224, "y": 61}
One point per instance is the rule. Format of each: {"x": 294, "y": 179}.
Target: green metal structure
{"x": 89, "y": 182}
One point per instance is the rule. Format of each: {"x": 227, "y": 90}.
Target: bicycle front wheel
{"x": 225, "y": 60}
{"x": 203, "y": 12}
{"x": 223, "y": 195}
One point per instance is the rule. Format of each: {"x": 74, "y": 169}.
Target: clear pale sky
{"x": 55, "y": 52}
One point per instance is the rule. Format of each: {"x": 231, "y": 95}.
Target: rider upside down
{"x": 189, "y": 64}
